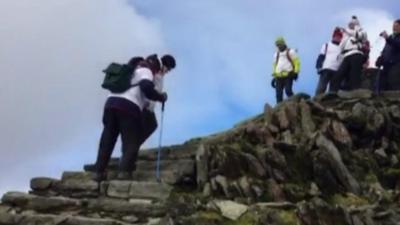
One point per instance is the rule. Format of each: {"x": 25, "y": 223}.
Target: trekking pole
{"x": 159, "y": 143}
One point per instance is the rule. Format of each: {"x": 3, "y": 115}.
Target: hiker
{"x": 149, "y": 118}
{"x": 328, "y": 61}
{"x": 354, "y": 50}
{"x": 286, "y": 68}
{"x": 389, "y": 78}
{"x": 123, "y": 116}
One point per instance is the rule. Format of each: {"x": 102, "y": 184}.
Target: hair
{"x": 168, "y": 61}
{"x": 134, "y": 61}
{"x": 397, "y": 21}
{"x": 154, "y": 63}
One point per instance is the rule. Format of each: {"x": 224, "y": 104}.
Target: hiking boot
{"x": 99, "y": 176}
{"x": 124, "y": 175}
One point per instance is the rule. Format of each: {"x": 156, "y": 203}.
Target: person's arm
{"x": 321, "y": 58}
{"x": 147, "y": 87}
{"x": 392, "y": 41}
{"x": 296, "y": 61}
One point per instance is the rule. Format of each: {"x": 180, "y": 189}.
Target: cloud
{"x": 52, "y": 54}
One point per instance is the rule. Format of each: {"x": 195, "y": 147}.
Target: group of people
{"x": 130, "y": 113}
{"x": 341, "y": 62}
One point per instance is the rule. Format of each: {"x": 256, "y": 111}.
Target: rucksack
{"x": 118, "y": 77}
{"x": 288, "y": 57}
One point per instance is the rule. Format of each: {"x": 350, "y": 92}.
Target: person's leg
{"x": 289, "y": 86}
{"x": 107, "y": 142}
{"x": 149, "y": 125}
{"x": 131, "y": 132}
{"x": 279, "y": 89}
{"x": 356, "y": 67}
{"x": 339, "y": 76}
{"x": 323, "y": 82}
{"x": 383, "y": 79}
{"x": 394, "y": 78}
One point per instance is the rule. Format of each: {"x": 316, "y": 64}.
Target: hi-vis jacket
{"x": 285, "y": 62}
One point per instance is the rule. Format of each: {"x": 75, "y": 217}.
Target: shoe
{"x": 99, "y": 176}
{"x": 124, "y": 175}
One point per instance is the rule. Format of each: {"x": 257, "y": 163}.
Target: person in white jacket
{"x": 354, "y": 57}
{"x": 328, "y": 61}
{"x": 148, "y": 115}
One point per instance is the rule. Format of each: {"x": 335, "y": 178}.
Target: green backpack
{"x": 118, "y": 77}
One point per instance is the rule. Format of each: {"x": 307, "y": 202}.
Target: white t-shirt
{"x": 333, "y": 57}
{"x": 158, "y": 85}
{"x": 283, "y": 61}
{"x": 134, "y": 94}
{"x": 349, "y": 44}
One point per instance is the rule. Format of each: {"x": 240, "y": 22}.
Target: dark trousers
{"x": 283, "y": 83}
{"x": 350, "y": 71}
{"x": 129, "y": 125}
{"x": 394, "y": 78}
{"x": 324, "y": 79}
{"x": 149, "y": 124}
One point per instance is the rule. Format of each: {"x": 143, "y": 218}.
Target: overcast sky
{"x": 52, "y": 54}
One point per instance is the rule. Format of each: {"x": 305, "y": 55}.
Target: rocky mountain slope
{"x": 330, "y": 160}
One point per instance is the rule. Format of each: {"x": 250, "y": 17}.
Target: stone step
{"x": 136, "y": 190}
{"x": 186, "y": 165}
{"x": 108, "y": 206}
{"x": 40, "y": 203}
{"x": 48, "y": 219}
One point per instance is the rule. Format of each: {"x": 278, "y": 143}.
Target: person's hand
{"x": 164, "y": 97}
{"x": 293, "y": 75}
{"x": 384, "y": 34}
{"x": 273, "y": 83}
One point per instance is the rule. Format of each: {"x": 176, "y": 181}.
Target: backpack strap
{"x": 326, "y": 48}
{"x": 289, "y": 58}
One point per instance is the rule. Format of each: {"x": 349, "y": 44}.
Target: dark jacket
{"x": 391, "y": 53}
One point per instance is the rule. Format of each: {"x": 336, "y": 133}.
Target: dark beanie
{"x": 168, "y": 61}
{"x": 154, "y": 63}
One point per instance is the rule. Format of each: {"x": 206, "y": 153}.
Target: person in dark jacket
{"x": 123, "y": 116}
{"x": 389, "y": 78}
{"x": 149, "y": 117}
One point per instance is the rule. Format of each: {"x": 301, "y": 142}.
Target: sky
{"x": 52, "y": 54}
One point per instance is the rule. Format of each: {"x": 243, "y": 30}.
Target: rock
{"x": 307, "y": 123}
{"x": 314, "y": 190}
{"x": 207, "y": 190}
{"x": 268, "y": 113}
{"x": 130, "y": 219}
{"x": 202, "y": 166}
{"x": 230, "y": 209}
{"x": 337, "y": 166}
{"x": 340, "y": 134}
{"x": 275, "y": 192}
{"x": 358, "y": 94}
{"x": 42, "y": 183}
{"x": 76, "y": 183}
{"x": 141, "y": 190}
{"x": 223, "y": 185}
{"x": 276, "y": 205}
{"x": 255, "y": 165}
{"x": 245, "y": 187}
{"x": 281, "y": 119}
{"x": 381, "y": 156}
{"x": 275, "y": 158}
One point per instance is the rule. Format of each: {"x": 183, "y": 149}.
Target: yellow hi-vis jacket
{"x": 285, "y": 62}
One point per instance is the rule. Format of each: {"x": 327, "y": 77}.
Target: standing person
{"x": 123, "y": 116}
{"x": 149, "y": 118}
{"x": 286, "y": 68}
{"x": 328, "y": 61}
{"x": 390, "y": 60}
{"x": 355, "y": 54}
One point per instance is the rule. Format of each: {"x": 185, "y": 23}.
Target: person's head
{"x": 168, "y": 63}
{"x": 337, "y": 35}
{"x": 396, "y": 27}
{"x": 154, "y": 63}
{"x": 281, "y": 44}
{"x": 354, "y": 22}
